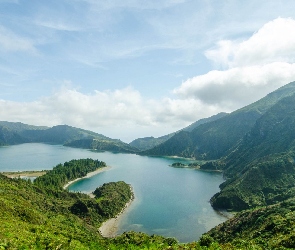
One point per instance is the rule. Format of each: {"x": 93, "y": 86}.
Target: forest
{"x": 63, "y": 173}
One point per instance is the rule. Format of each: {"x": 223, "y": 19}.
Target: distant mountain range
{"x": 16, "y": 133}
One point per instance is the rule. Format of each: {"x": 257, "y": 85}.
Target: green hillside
{"x": 270, "y": 227}
{"x": 216, "y": 139}
{"x": 261, "y": 169}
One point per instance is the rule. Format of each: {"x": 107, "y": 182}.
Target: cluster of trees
{"x": 112, "y": 196}
{"x": 63, "y": 173}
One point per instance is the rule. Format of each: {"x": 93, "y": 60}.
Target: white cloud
{"x": 237, "y": 87}
{"x": 253, "y": 67}
{"x": 107, "y": 111}
{"x": 274, "y": 42}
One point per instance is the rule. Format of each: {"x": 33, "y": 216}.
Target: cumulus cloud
{"x": 107, "y": 111}
{"x": 274, "y": 42}
{"x": 252, "y": 68}
{"x": 239, "y": 86}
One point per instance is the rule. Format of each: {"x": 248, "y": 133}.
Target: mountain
{"x": 16, "y": 133}
{"x": 150, "y": 142}
{"x": 216, "y": 139}
{"x": 261, "y": 169}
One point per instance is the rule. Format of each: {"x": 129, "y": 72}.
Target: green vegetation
{"x": 178, "y": 165}
{"x": 37, "y": 218}
{"x": 263, "y": 182}
{"x": 270, "y": 227}
{"x": 112, "y": 196}
{"x": 63, "y": 173}
{"x": 194, "y": 165}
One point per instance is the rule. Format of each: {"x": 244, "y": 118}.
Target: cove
{"x": 172, "y": 202}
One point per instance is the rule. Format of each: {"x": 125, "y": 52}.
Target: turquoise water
{"x": 169, "y": 201}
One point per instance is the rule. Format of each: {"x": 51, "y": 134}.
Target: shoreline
{"x": 23, "y": 174}
{"x": 109, "y": 228}
{"x": 99, "y": 170}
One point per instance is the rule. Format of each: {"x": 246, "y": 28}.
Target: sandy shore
{"x": 88, "y": 175}
{"x": 109, "y": 228}
{"x": 23, "y": 174}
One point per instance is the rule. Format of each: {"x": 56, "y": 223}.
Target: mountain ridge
{"x": 216, "y": 139}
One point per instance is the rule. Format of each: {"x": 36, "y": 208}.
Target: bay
{"x": 173, "y": 202}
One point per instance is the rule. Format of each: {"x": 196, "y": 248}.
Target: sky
{"x": 130, "y": 69}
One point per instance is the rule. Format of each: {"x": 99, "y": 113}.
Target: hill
{"x": 216, "y": 139}
{"x": 150, "y": 142}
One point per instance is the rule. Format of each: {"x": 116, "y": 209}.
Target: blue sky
{"x": 131, "y": 69}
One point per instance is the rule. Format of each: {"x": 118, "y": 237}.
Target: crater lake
{"x": 173, "y": 202}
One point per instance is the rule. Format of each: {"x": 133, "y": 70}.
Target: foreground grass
{"x": 33, "y": 217}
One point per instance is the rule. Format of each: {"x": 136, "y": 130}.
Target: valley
{"x": 254, "y": 148}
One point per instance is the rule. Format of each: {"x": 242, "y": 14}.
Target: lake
{"x": 172, "y": 202}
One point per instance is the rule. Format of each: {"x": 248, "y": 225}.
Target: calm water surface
{"x": 169, "y": 201}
